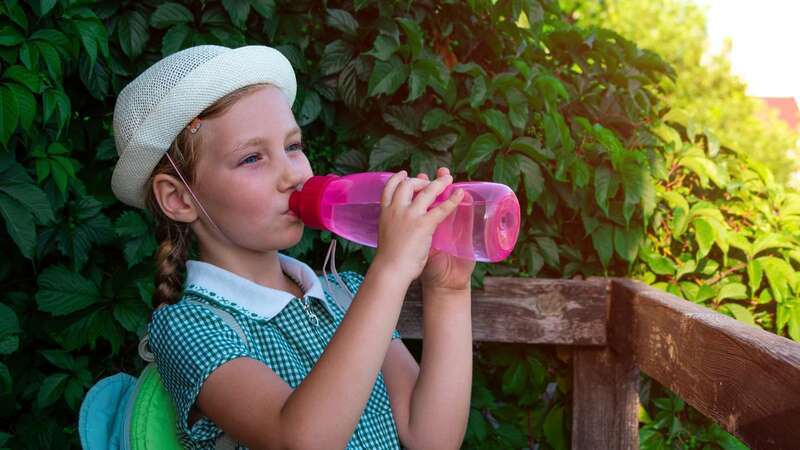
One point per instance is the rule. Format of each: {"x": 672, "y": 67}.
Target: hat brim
{"x": 194, "y": 93}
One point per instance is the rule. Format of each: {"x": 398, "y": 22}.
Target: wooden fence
{"x": 742, "y": 377}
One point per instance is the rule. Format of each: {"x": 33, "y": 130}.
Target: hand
{"x": 445, "y": 272}
{"x": 406, "y": 226}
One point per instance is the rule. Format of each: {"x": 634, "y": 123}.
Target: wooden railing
{"x": 742, "y": 377}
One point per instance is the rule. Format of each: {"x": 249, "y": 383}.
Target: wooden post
{"x": 605, "y": 400}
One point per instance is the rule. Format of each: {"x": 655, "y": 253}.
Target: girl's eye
{"x": 255, "y": 157}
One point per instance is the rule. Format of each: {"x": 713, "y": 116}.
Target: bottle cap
{"x": 502, "y": 228}
{"x": 306, "y": 202}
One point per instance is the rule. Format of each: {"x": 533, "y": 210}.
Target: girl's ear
{"x": 174, "y": 199}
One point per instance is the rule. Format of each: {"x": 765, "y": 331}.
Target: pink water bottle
{"x": 484, "y": 226}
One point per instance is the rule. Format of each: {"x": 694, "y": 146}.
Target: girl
{"x": 208, "y": 143}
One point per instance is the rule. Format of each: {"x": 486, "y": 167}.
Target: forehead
{"x": 263, "y": 113}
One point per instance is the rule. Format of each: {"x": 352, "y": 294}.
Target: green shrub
{"x": 706, "y": 90}
{"x": 510, "y": 91}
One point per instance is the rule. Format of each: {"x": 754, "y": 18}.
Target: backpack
{"x": 121, "y": 412}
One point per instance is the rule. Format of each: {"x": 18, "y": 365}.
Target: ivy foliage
{"x": 571, "y": 117}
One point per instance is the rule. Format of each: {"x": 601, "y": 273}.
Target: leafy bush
{"x": 706, "y": 90}
{"x": 511, "y": 91}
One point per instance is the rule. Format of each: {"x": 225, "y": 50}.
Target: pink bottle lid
{"x": 306, "y": 202}
{"x": 503, "y": 228}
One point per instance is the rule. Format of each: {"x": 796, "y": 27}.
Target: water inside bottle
{"x": 462, "y": 233}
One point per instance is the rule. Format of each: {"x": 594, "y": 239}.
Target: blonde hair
{"x": 176, "y": 237}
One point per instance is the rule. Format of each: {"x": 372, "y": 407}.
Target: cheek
{"x": 239, "y": 194}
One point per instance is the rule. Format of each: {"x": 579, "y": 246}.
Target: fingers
{"x": 400, "y": 188}
{"x": 444, "y": 209}
{"x": 405, "y": 191}
{"x": 425, "y": 198}
{"x": 391, "y": 186}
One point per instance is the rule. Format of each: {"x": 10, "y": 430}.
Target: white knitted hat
{"x": 153, "y": 109}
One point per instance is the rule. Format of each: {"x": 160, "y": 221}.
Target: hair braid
{"x": 170, "y": 263}
{"x": 176, "y": 237}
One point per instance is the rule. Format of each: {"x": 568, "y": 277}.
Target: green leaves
{"x": 140, "y": 243}
{"x": 22, "y": 205}
{"x": 343, "y": 21}
{"x": 704, "y": 234}
{"x": 413, "y": 36}
{"x": 175, "y": 39}
{"x": 168, "y": 14}
{"x": 389, "y": 151}
{"x": 93, "y": 36}
{"x": 56, "y": 163}
{"x": 86, "y": 225}
{"x": 482, "y": 148}
{"x": 384, "y": 47}
{"x": 603, "y": 243}
{"x": 387, "y": 77}
{"x": 337, "y": 54}
{"x": 554, "y": 428}
{"x": 9, "y": 36}
{"x": 133, "y": 33}
{"x": 9, "y": 113}
{"x": 506, "y": 171}
{"x": 626, "y": 242}
{"x": 635, "y": 179}
{"x": 9, "y": 330}
{"x": 51, "y": 390}
{"x": 238, "y": 10}
{"x": 497, "y": 122}
{"x": 62, "y": 291}
{"x": 42, "y": 7}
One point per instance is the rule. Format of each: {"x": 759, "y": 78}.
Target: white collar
{"x": 205, "y": 278}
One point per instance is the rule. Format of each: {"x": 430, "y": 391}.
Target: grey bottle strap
{"x": 339, "y": 294}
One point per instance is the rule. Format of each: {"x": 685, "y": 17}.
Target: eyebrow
{"x": 252, "y": 142}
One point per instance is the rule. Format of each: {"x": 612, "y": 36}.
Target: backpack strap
{"x": 338, "y": 293}
{"x": 227, "y": 318}
{"x": 144, "y": 347}
{"x": 224, "y": 441}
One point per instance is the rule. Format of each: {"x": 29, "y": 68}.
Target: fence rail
{"x": 744, "y": 378}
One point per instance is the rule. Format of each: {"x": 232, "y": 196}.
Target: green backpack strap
{"x": 224, "y": 441}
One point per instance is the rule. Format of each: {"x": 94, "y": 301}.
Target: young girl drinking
{"x": 208, "y": 143}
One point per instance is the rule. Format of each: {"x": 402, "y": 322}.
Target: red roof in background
{"x": 787, "y": 110}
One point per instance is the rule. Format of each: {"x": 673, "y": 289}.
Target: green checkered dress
{"x": 286, "y": 333}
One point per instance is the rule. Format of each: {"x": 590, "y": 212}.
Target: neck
{"x": 263, "y": 268}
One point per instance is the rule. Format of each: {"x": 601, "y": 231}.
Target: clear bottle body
{"x": 483, "y": 227}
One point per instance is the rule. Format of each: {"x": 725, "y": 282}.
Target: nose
{"x": 295, "y": 173}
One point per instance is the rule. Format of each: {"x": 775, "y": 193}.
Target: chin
{"x": 292, "y": 237}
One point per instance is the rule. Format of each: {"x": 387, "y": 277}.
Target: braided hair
{"x": 176, "y": 238}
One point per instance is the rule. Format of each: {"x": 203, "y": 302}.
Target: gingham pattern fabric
{"x": 189, "y": 342}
